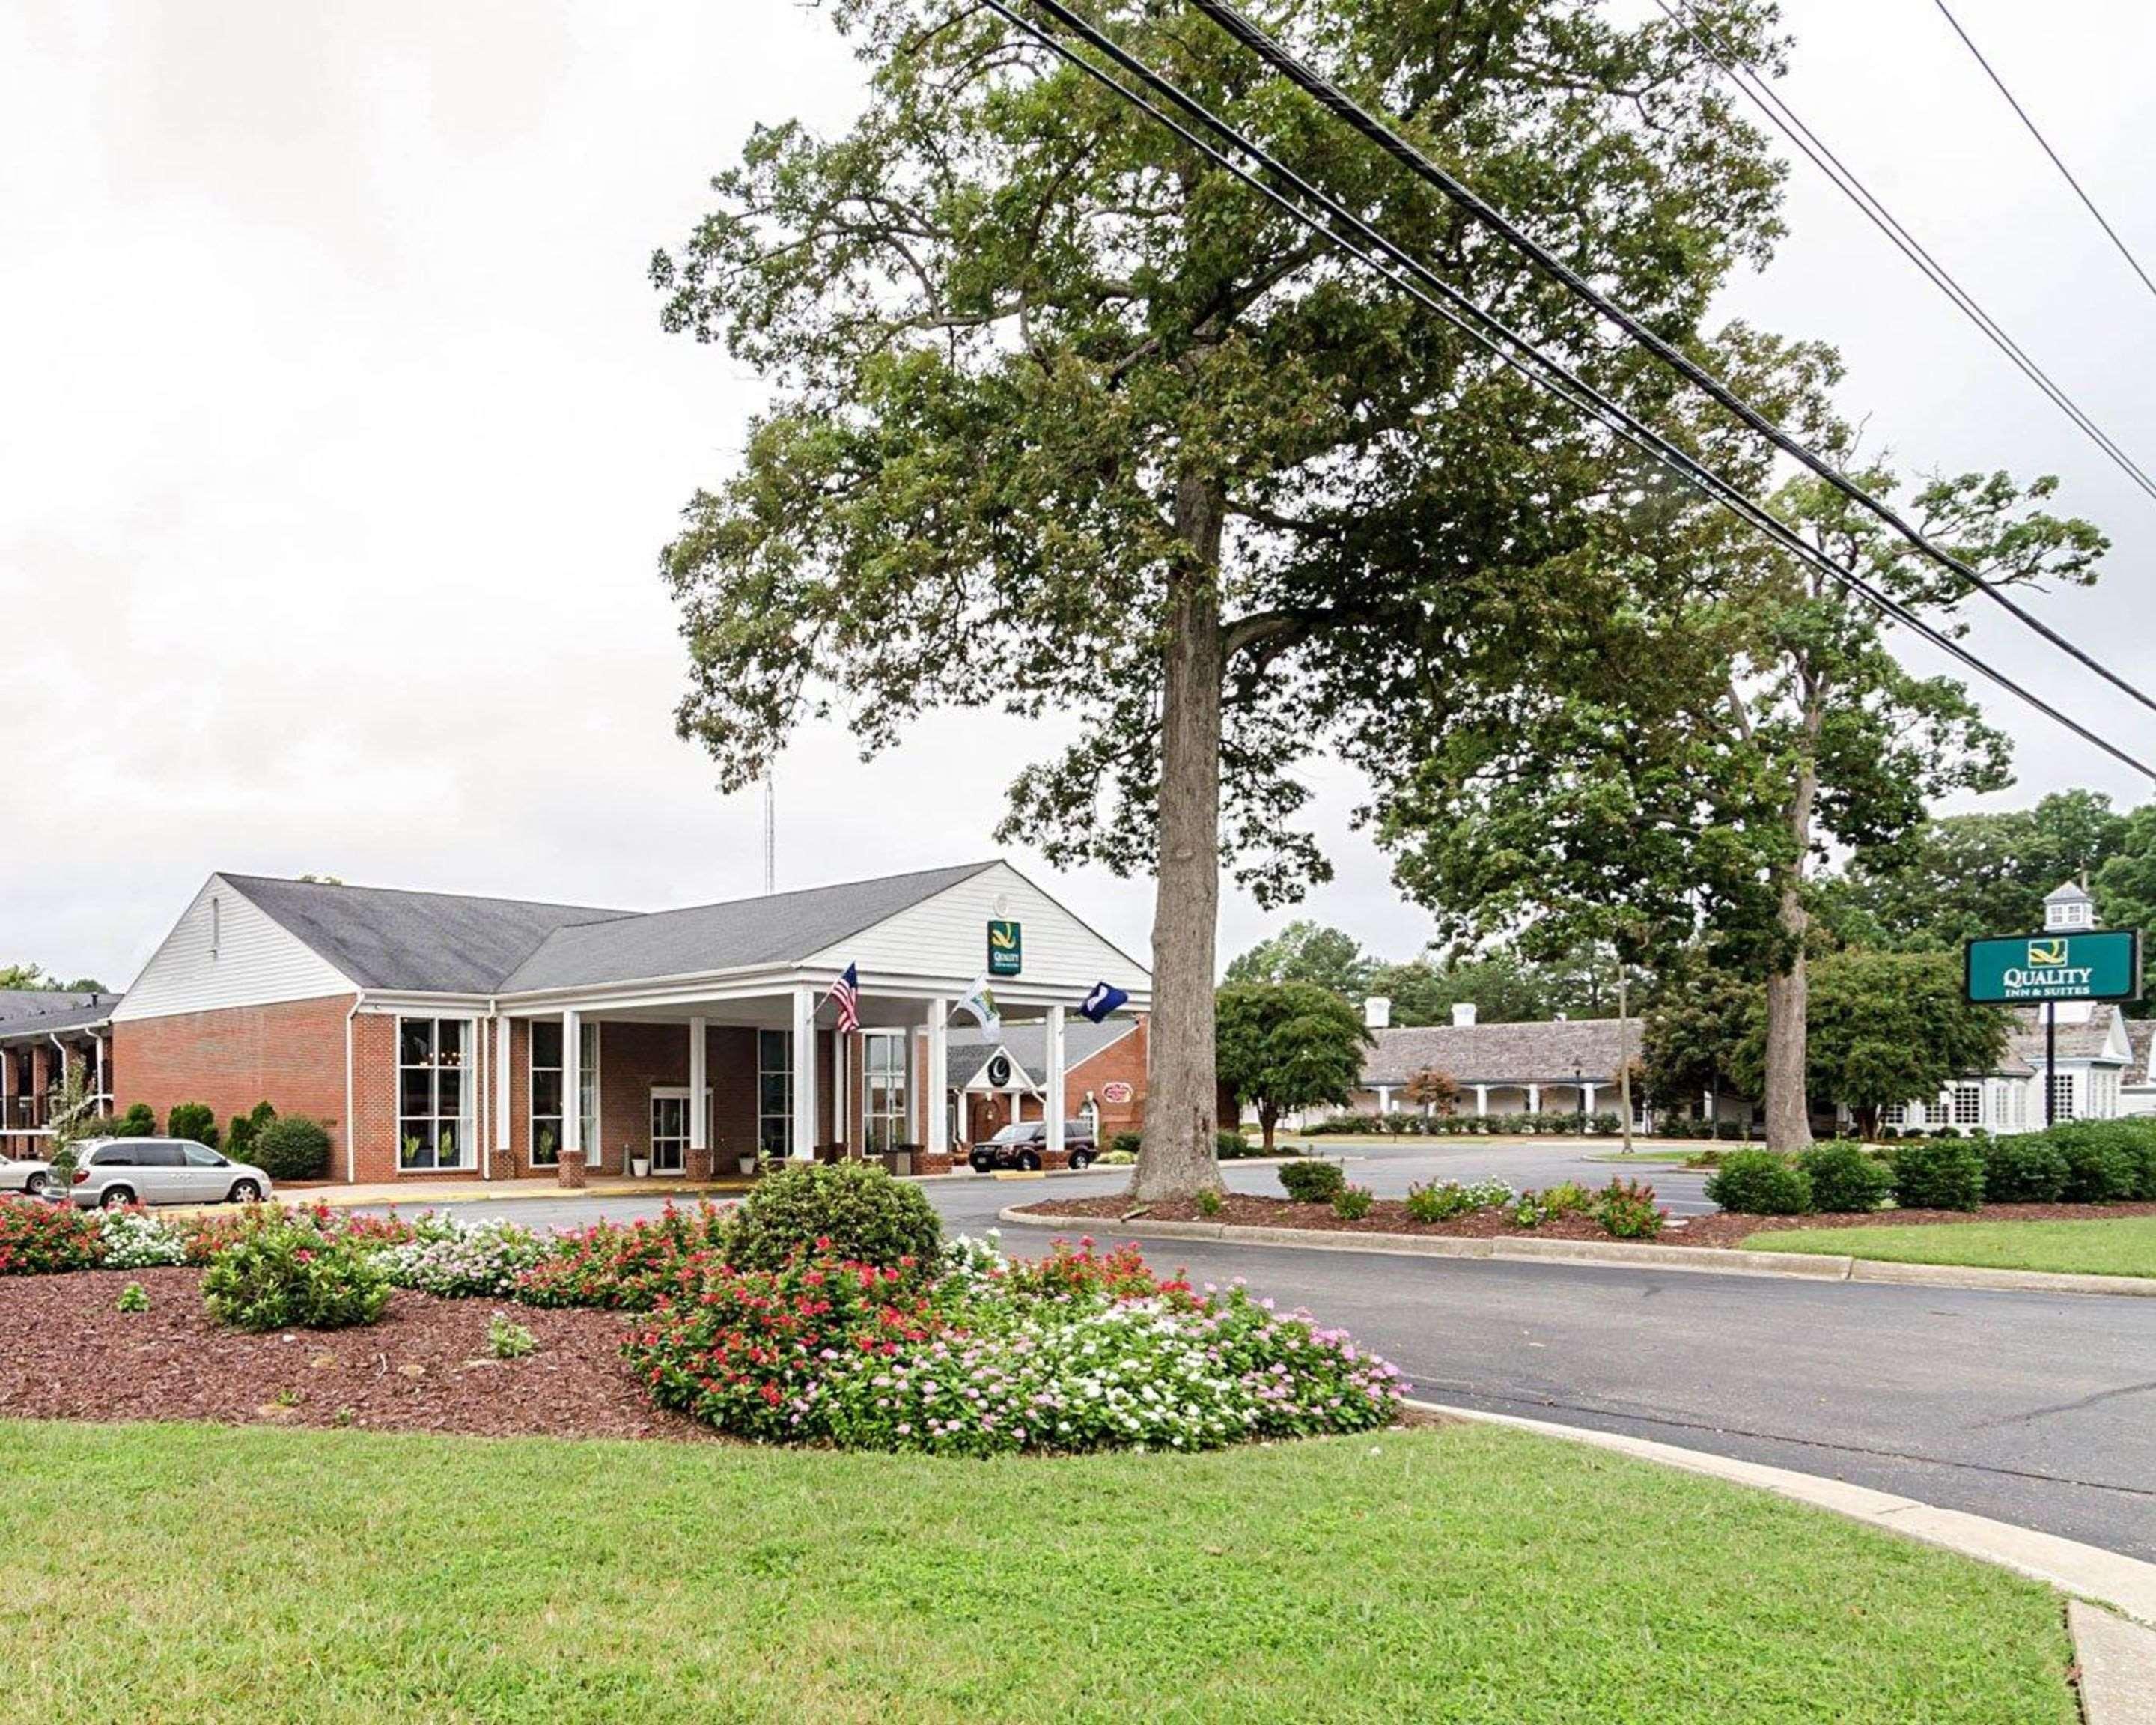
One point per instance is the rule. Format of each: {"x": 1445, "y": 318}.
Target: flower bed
{"x": 1083, "y": 1351}
{"x": 618, "y": 1268}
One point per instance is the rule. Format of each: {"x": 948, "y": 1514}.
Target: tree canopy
{"x": 1288, "y": 1046}
{"x": 1065, "y": 420}
{"x": 1306, "y": 951}
{"x": 33, "y": 977}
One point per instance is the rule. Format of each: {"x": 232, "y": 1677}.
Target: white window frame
{"x": 2062, "y": 1088}
{"x": 1968, "y": 1104}
{"x": 887, "y": 1092}
{"x": 590, "y": 1094}
{"x": 532, "y": 1116}
{"x": 1937, "y": 1113}
{"x": 464, "y": 1120}
{"x": 780, "y": 1119}
{"x": 669, "y": 1093}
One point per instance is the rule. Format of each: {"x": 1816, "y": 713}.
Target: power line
{"x": 2087, "y": 201}
{"x": 1411, "y": 276}
{"x": 1360, "y": 120}
{"x": 1684, "y": 14}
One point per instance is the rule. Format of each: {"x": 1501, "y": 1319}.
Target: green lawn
{"x": 2124, "y": 1246}
{"x": 192, "y": 1573}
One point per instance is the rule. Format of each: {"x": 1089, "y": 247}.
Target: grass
{"x": 1454, "y": 1574}
{"x": 2122, "y": 1245}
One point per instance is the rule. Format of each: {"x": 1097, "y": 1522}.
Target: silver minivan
{"x": 117, "y": 1171}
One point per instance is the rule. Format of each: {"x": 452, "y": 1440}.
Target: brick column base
{"x": 700, "y": 1163}
{"x": 570, "y": 1175}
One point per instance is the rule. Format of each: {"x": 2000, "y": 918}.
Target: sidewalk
{"x": 429, "y": 1193}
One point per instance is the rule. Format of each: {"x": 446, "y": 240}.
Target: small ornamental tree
{"x": 1288, "y": 1046}
{"x": 1432, "y": 1089}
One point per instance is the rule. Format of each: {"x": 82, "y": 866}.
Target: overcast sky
{"x": 338, "y": 436}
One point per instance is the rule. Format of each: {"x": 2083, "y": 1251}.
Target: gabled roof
{"x": 38, "y": 1012}
{"x": 2088, "y": 1041}
{"x": 1027, "y": 1045}
{"x": 426, "y": 942}
{"x": 1545, "y": 1052}
{"x": 777, "y": 928}
{"x": 2140, "y": 1034}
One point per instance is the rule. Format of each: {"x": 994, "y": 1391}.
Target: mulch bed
{"x": 67, "y": 1352}
{"x": 1388, "y": 1215}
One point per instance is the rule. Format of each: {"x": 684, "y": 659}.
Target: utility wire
{"x": 2087, "y": 201}
{"x": 1360, "y": 120}
{"x": 1411, "y": 276}
{"x": 1684, "y": 14}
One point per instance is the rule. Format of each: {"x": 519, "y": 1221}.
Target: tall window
{"x": 2062, "y": 1095}
{"x": 1935, "y": 1112}
{"x": 882, "y": 1089}
{"x": 1968, "y": 1105}
{"x": 546, "y": 1148}
{"x": 587, "y": 1088}
{"x": 434, "y": 1127}
{"x": 774, "y": 1091}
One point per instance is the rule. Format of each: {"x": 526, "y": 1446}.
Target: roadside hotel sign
{"x": 1006, "y": 950}
{"x": 2029, "y": 969}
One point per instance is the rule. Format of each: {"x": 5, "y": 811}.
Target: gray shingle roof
{"x": 2076, "y": 1042}
{"x": 1028, "y": 1044}
{"x": 38, "y": 1012}
{"x": 427, "y": 942}
{"x": 1544, "y": 1052}
{"x": 2140, "y": 1033}
{"x": 781, "y": 928}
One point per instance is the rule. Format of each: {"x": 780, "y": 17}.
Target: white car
{"x": 22, "y": 1174}
{"x": 118, "y": 1171}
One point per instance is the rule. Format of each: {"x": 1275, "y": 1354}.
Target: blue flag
{"x": 1102, "y": 1003}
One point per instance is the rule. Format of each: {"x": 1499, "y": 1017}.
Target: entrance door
{"x": 670, "y": 1131}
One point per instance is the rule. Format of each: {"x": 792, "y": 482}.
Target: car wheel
{"x": 1028, "y": 1161}
{"x": 244, "y": 1192}
{"x": 114, "y": 1197}
{"x": 1081, "y": 1159}
{"x": 34, "y": 1187}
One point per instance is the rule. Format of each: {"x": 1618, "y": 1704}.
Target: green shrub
{"x": 1232, "y": 1146}
{"x": 1627, "y": 1210}
{"x": 1127, "y": 1144}
{"x": 1441, "y": 1200}
{"x": 2028, "y": 1168}
{"x": 1313, "y": 1182}
{"x": 1843, "y": 1178}
{"x": 1351, "y": 1203}
{"x": 139, "y": 1121}
{"x": 1939, "y": 1174}
{"x": 134, "y": 1298}
{"x": 193, "y": 1120}
{"x": 866, "y": 1215}
{"x": 1757, "y": 1183}
{"x": 290, "y": 1276}
{"x": 292, "y": 1148}
{"x": 246, "y": 1129}
{"x": 507, "y": 1339}
{"x": 1567, "y": 1197}
{"x": 2099, "y": 1169}
{"x": 1209, "y": 1203}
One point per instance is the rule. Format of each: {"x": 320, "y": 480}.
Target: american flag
{"x": 847, "y": 993}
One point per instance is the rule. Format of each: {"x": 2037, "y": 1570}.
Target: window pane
{"x": 451, "y": 1084}
{"x": 415, "y": 1143}
{"x": 546, "y": 1140}
{"x": 450, "y": 1041}
{"x": 547, "y": 1094}
{"x": 415, "y": 1091}
{"x": 545, "y": 1044}
{"x": 449, "y": 1145}
{"x": 415, "y": 1042}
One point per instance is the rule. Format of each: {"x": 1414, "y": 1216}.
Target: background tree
{"x": 2125, "y": 892}
{"x": 1959, "y": 877}
{"x": 1504, "y": 990}
{"x": 1693, "y": 1029}
{"x": 1288, "y": 1046}
{"x": 1748, "y": 715}
{"x": 1306, "y": 951}
{"x": 1433, "y": 1089}
{"x": 1064, "y": 418}
{"x": 33, "y": 977}
{"x": 1885, "y": 1028}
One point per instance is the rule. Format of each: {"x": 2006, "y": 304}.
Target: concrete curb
{"x": 1613, "y": 1255}
{"x": 2118, "y": 1666}
{"x": 2126, "y": 1584}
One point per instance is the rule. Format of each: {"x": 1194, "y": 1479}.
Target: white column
{"x": 1384, "y": 1100}
{"x": 1053, "y": 1144}
{"x": 699, "y": 1089}
{"x": 1481, "y": 1101}
{"x": 501, "y": 1084}
{"x": 1534, "y": 1099}
{"x": 1587, "y": 1098}
{"x": 805, "y": 1073}
{"x": 936, "y": 1090}
{"x": 572, "y": 1082}
{"x": 99, "y": 1042}
{"x": 842, "y": 1128}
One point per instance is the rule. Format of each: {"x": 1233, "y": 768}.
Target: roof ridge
{"x": 603, "y": 913}
{"x": 964, "y": 870}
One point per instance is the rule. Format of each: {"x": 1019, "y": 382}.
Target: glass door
{"x": 670, "y": 1131}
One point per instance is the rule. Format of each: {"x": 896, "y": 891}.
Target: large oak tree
{"x": 1067, "y": 421}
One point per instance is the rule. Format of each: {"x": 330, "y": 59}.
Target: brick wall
{"x": 290, "y": 1055}
{"x": 1121, "y": 1062}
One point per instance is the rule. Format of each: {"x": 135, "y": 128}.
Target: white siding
{"x": 947, "y": 936}
{"x": 257, "y": 961}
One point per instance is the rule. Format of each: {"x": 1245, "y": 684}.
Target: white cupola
{"x": 2067, "y": 908}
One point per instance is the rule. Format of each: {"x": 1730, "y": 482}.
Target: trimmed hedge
{"x": 2029, "y": 1169}
{"x": 1757, "y": 1183}
{"x": 1844, "y": 1179}
{"x": 2077, "y": 1161}
{"x": 1313, "y": 1182}
{"x": 848, "y": 1210}
{"x": 1939, "y": 1174}
{"x": 291, "y": 1147}
{"x": 193, "y": 1120}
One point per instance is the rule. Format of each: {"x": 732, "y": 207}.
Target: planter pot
{"x": 747, "y": 1164}
{"x": 639, "y": 1168}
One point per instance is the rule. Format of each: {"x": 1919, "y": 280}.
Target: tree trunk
{"x": 1789, "y": 1109}
{"x": 1268, "y": 1118}
{"x": 1177, "y": 1159}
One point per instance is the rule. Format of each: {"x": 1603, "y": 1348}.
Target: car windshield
{"x": 1011, "y": 1134}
